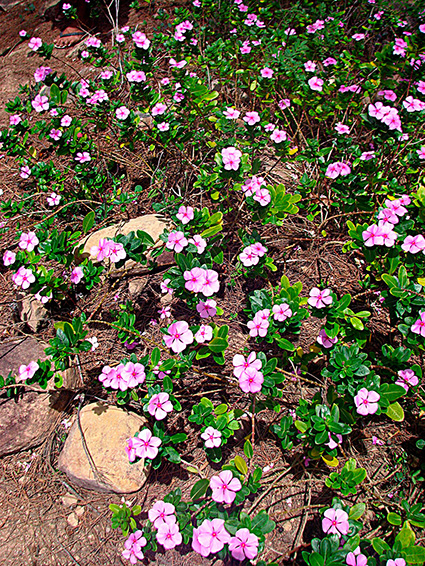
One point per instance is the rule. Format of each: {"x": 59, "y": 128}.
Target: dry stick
{"x": 61, "y": 208}
{"x": 268, "y": 490}
{"x": 303, "y": 521}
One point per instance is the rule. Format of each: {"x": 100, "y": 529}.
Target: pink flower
{"x": 197, "y": 546}
{"x": 251, "y": 118}
{"x": 251, "y": 380}
{"x": 210, "y": 284}
{"x": 15, "y": 120}
{"x": 28, "y": 241}
{"x": 83, "y": 157}
{"x": 372, "y": 236}
{"x": 342, "y": 128}
{"x": 249, "y": 257}
{"x": 163, "y": 126}
{"x": 284, "y": 103}
{"x": 244, "y": 545}
{"x": 421, "y": 152}
{"x": 396, "y": 562}
{"x": 388, "y": 235}
{"x": 335, "y": 521}
{"x": 27, "y": 372}
{"x": 165, "y": 288}
{"x": 329, "y": 61}
{"x": 93, "y": 42}
{"x": 241, "y": 365}
{"x": 324, "y": 340}
{"x": 355, "y": 558}
{"x": 386, "y": 215}
{"x": 35, "y": 43}
{"x": 224, "y": 487}
{"x": 278, "y": 136}
{"x": 176, "y": 241}
{"x": 212, "y": 437}
{"x": 231, "y": 113}
{"x": 204, "y": 334}
{"x": 414, "y": 244}
{"x": 231, "y": 158}
{"x": 358, "y": 36}
{"x": 53, "y": 199}
{"x": 388, "y": 95}
{"x": 122, "y": 113}
{"x": 135, "y": 77}
{"x": 396, "y": 206}
{"x": 158, "y": 109}
{"x": 133, "y": 547}
{"x": 146, "y": 445}
{"x": 159, "y": 405}
{"x": 164, "y": 312}
{"x": 320, "y": 299}
{"x": 207, "y": 308}
{"x": 133, "y": 374}
{"x": 25, "y": 172}
{"x": 407, "y": 377}
{"x": 41, "y": 73}
{"x": 376, "y": 441}
{"x": 168, "y": 535}
{"x": 418, "y": 327}
{"x": 194, "y": 279}
{"x": 310, "y": 66}
{"x": 66, "y": 121}
{"x": 213, "y": 535}
{"x": 23, "y": 33}
{"x": 76, "y": 275}
{"x": 281, "y": 312}
{"x": 179, "y": 336}
{"x": 161, "y": 513}
{"x": 336, "y": 169}
{"x": 40, "y": 103}
{"x": 116, "y": 251}
{"x": 199, "y": 243}
{"x": 366, "y": 155}
{"x": 366, "y": 401}
{"x": 267, "y": 73}
{"x": 315, "y": 84}
{"x": 23, "y": 277}
{"x": 259, "y": 324}
{"x": 185, "y": 214}
{"x": 9, "y": 258}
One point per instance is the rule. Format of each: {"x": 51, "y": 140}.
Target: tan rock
{"x": 72, "y": 520}
{"x": 69, "y": 500}
{"x": 136, "y": 287}
{"x": 33, "y": 312}
{"x": 152, "y": 224}
{"x": 79, "y": 511}
{"x": 106, "y": 469}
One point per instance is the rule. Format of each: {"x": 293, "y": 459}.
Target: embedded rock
{"x": 32, "y": 312}
{"x": 94, "y": 456}
{"x": 136, "y": 287}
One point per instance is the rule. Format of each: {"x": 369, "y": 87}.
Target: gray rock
{"x": 100, "y": 462}
{"x": 136, "y": 287}
{"x": 33, "y": 312}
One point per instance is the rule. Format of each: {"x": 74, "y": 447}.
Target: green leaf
{"x": 357, "y": 511}
{"x": 394, "y": 519}
{"x": 380, "y": 546}
{"x": 414, "y": 554}
{"x": 241, "y": 465}
{"x": 395, "y": 412}
{"x": 218, "y": 345}
{"x": 316, "y": 559}
{"x": 179, "y": 437}
{"x": 220, "y": 409}
{"x": 199, "y": 489}
{"x": 88, "y": 221}
{"x": 155, "y": 356}
{"x": 406, "y": 537}
{"x": 248, "y": 449}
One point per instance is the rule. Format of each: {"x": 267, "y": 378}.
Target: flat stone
{"x": 72, "y": 520}
{"x": 106, "y": 469}
{"x": 136, "y": 287}
{"x": 69, "y": 500}
{"x": 33, "y": 312}
{"x": 152, "y": 224}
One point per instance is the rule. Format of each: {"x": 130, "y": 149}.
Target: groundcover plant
{"x": 254, "y": 124}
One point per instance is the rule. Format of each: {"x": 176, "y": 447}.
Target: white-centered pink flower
{"x": 244, "y": 545}
{"x": 28, "y": 241}
{"x": 185, "y": 214}
{"x": 9, "y": 258}
{"x": 162, "y": 512}
{"x": 211, "y": 437}
{"x": 224, "y": 487}
{"x": 179, "y": 336}
{"x": 320, "y": 299}
{"x": 159, "y": 406}
{"x": 366, "y": 401}
{"x": 27, "y": 372}
{"x": 281, "y": 312}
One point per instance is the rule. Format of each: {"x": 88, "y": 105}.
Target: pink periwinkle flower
{"x": 169, "y": 535}
{"x": 35, "y": 43}
{"x": 134, "y": 374}
{"x": 241, "y": 365}
{"x": 207, "y": 308}
{"x": 356, "y": 558}
{"x": 231, "y": 158}
{"x": 281, "y": 312}
{"x": 212, "y": 535}
{"x": 15, "y": 119}
{"x": 244, "y": 545}
{"x": 224, "y": 487}
{"x": 133, "y": 547}
{"x": 161, "y": 513}
{"x": 342, "y": 128}
{"x": 267, "y": 73}
{"x": 40, "y": 103}
{"x": 414, "y": 244}
{"x": 66, "y": 121}
{"x": 28, "y": 241}
{"x": 144, "y": 446}
{"x": 324, "y": 340}
{"x": 335, "y": 521}
{"x": 199, "y": 242}
{"x": 122, "y": 113}
{"x": 76, "y": 275}
{"x": 418, "y": 327}
{"x": 159, "y": 405}
{"x": 251, "y": 380}
{"x": 83, "y": 157}
{"x": 407, "y": 378}
{"x": 23, "y": 277}
{"x": 231, "y": 113}
{"x": 176, "y": 241}
{"x": 27, "y": 372}
{"x": 320, "y": 299}
{"x": 259, "y": 325}
{"x": 194, "y": 279}
{"x": 179, "y": 336}
{"x": 421, "y": 152}
{"x": 185, "y": 214}
{"x": 41, "y": 73}
{"x": 316, "y": 84}
{"x": 212, "y": 437}
{"x": 204, "y": 334}
{"x": 9, "y": 258}
{"x": 372, "y": 236}
{"x": 366, "y": 401}
{"x": 53, "y": 199}
{"x": 251, "y": 118}
{"x": 25, "y": 172}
